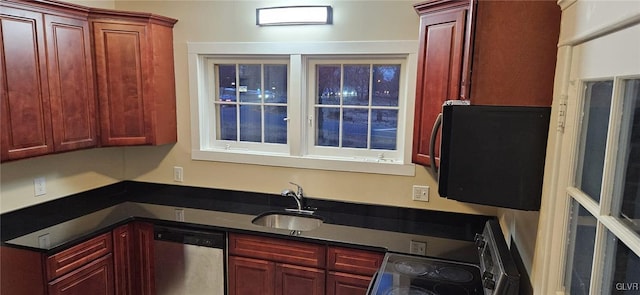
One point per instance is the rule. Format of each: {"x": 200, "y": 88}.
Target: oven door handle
{"x": 371, "y": 283}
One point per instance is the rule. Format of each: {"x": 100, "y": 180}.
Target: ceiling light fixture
{"x": 294, "y": 15}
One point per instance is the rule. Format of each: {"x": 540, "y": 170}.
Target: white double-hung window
{"x": 333, "y": 105}
{"x": 355, "y": 107}
{"x": 248, "y": 108}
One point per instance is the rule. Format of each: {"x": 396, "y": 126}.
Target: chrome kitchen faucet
{"x": 299, "y": 197}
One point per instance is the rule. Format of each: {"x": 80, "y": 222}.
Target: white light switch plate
{"x": 418, "y": 248}
{"x": 420, "y": 193}
{"x": 40, "y": 186}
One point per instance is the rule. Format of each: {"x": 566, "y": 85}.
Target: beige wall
{"x": 234, "y": 21}
{"x": 107, "y": 4}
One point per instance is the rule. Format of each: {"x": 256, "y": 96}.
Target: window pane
{"x": 328, "y": 79}
{"x": 250, "y": 80}
{"x": 628, "y": 163}
{"x": 625, "y": 271}
{"x": 594, "y": 136}
{"x": 227, "y": 126}
{"x": 355, "y": 90}
{"x": 583, "y": 233}
{"x": 275, "y": 127}
{"x": 386, "y": 85}
{"x": 354, "y": 128}
{"x": 275, "y": 83}
{"x": 328, "y": 127}
{"x": 384, "y": 128}
{"x": 250, "y": 123}
{"x": 227, "y": 82}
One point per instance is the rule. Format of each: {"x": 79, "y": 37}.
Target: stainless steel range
{"x": 495, "y": 274}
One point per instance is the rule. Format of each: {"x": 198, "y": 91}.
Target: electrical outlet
{"x": 179, "y": 214}
{"x": 178, "y": 174}
{"x": 40, "y": 186}
{"x": 44, "y": 241}
{"x": 421, "y": 193}
{"x": 418, "y": 248}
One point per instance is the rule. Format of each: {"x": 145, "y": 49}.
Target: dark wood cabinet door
{"x": 71, "y": 83}
{"x": 95, "y": 278}
{"x": 294, "y": 279}
{"x": 21, "y": 272}
{"x": 440, "y": 71}
{"x": 122, "y": 259}
{"x": 135, "y": 78}
{"x": 144, "y": 279}
{"x": 248, "y": 276}
{"x": 132, "y": 256}
{"x": 347, "y": 284}
{"x": 24, "y": 94}
{"x": 121, "y": 68}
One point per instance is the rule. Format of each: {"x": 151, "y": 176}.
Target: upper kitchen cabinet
{"x": 47, "y": 86}
{"x": 76, "y": 77}
{"x": 441, "y": 60}
{"x": 135, "y": 75}
{"x": 488, "y": 52}
{"x": 514, "y": 52}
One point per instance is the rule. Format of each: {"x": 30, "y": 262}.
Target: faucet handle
{"x": 299, "y": 188}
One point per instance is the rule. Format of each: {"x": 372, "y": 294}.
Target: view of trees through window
{"x": 252, "y": 102}
{"x": 357, "y": 105}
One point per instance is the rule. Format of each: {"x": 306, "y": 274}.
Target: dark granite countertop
{"x": 71, "y": 219}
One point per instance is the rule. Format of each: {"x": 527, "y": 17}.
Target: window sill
{"x": 307, "y": 162}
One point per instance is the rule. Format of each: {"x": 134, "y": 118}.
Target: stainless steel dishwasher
{"x": 189, "y": 262}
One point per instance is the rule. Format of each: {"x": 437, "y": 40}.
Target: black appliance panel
{"x": 493, "y": 155}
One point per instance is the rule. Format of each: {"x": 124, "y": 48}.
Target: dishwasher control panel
{"x": 190, "y": 236}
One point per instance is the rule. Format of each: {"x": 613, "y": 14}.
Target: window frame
{"x": 212, "y": 143}
{"x": 297, "y": 54}
{"x": 608, "y": 224}
{"x": 581, "y": 59}
{"x": 372, "y": 60}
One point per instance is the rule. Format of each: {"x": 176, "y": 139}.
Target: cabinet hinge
{"x": 562, "y": 112}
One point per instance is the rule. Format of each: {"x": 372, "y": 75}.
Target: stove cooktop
{"x": 415, "y": 275}
{"x": 496, "y": 274}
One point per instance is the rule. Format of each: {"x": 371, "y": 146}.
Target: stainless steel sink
{"x": 288, "y": 220}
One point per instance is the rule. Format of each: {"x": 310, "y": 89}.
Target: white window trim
{"x": 297, "y": 51}
{"x": 210, "y": 108}
{"x": 550, "y": 254}
{"x": 355, "y": 152}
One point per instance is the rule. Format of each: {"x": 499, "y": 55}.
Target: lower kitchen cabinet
{"x": 94, "y": 278}
{"x": 351, "y": 270}
{"x": 133, "y": 259}
{"x": 251, "y": 276}
{"x": 347, "y": 284}
{"x": 294, "y": 279}
{"x": 27, "y": 274}
{"x": 113, "y": 263}
{"x": 262, "y": 265}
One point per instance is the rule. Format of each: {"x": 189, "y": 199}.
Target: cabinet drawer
{"x": 353, "y": 261}
{"x": 78, "y": 255}
{"x": 93, "y": 278}
{"x": 277, "y": 250}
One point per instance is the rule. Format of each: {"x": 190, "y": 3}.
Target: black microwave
{"x": 493, "y": 155}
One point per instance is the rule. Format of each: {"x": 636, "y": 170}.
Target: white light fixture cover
{"x": 294, "y": 15}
